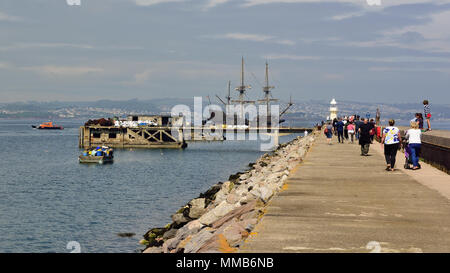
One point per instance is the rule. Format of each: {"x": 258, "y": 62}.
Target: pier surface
{"x": 339, "y": 201}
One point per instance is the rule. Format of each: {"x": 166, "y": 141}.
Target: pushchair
{"x": 408, "y": 158}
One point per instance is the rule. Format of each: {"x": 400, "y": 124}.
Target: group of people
{"x": 350, "y": 129}
{"x": 419, "y": 117}
{"x": 364, "y": 130}
{"x": 392, "y": 140}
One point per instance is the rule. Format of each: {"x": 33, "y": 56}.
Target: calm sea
{"x": 48, "y": 199}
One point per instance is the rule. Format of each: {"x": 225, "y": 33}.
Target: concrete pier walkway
{"x": 339, "y": 201}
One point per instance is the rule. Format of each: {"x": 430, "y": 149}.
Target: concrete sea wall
{"x": 221, "y": 218}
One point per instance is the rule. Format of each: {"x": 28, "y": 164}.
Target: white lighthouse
{"x": 333, "y": 109}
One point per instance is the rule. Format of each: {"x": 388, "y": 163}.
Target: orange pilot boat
{"x": 48, "y": 126}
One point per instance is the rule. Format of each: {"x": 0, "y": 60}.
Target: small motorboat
{"x": 100, "y": 155}
{"x": 48, "y": 126}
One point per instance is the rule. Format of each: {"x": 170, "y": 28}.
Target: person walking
{"x": 357, "y": 124}
{"x": 391, "y": 141}
{"x": 346, "y": 122}
{"x": 329, "y": 132}
{"x": 351, "y": 130}
{"x": 414, "y": 136}
{"x": 335, "y": 121}
{"x": 427, "y": 113}
{"x": 340, "y": 130}
{"x": 372, "y": 132}
{"x": 364, "y": 137}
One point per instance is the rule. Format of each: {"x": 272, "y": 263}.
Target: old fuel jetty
{"x": 147, "y": 131}
{"x": 162, "y": 131}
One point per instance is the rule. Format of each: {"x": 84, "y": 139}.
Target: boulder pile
{"x": 220, "y": 219}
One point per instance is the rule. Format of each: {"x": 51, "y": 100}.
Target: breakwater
{"x": 221, "y": 218}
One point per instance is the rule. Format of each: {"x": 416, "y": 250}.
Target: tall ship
{"x": 242, "y": 101}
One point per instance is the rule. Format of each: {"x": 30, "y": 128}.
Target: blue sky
{"x": 389, "y": 51}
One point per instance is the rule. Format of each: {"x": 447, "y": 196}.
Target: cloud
{"x": 364, "y": 3}
{"x": 397, "y": 59}
{"x": 408, "y": 69}
{"x": 65, "y": 71}
{"x": 253, "y": 38}
{"x": 4, "y": 65}
{"x": 182, "y": 70}
{"x": 214, "y": 3}
{"x": 350, "y": 15}
{"x": 432, "y": 36}
{"x": 333, "y": 76}
{"x": 245, "y": 37}
{"x": 9, "y": 18}
{"x": 155, "y": 2}
{"x": 19, "y": 46}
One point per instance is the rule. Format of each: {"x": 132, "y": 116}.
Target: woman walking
{"x": 391, "y": 141}
{"x": 329, "y": 132}
{"x": 413, "y": 136}
{"x": 351, "y": 130}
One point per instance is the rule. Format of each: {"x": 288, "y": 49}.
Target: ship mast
{"x": 267, "y": 93}
{"x": 242, "y": 89}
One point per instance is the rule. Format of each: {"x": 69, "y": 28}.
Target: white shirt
{"x": 413, "y": 136}
{"x": 391, "y": 135}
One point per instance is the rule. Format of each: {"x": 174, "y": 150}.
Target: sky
{"x": 359, "y": 50}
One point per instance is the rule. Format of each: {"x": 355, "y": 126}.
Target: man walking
{"x": 340, "y": 130}
{"x": 364, "y": 137}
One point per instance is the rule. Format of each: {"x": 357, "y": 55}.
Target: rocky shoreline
{"x": 220, "y": 219}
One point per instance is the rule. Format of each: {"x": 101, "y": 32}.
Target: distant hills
{"x": 301, "y": 112}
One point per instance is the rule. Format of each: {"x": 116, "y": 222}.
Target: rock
{"x": 153, "y": 237}
{"x": 182, "y": 244}
{"x": 189, "y": 229}
{"x": 219, "y": 211}
{"x": 198, "y": 240}
{"x": 301, "y": 152}
{"x": 232, "y": 199}
{"x": 217, "y": 244}
{"x": 224, "y": 191}
{"x": 156, "y": 231}
{"x": 249, "y": 224}
{"x": 126, "y": 234}
{"x": 247, "y": 199}
{"x": 209, "y": 195}
{"x": 170, "y": 234}
{"x": 153, "y": 250}
{"x": 263, "y": 164}
{"x": 279, "y": 167}
{"x": 236, "y": 213}
{"x": 244, "y": 176}
{"x": 179, "y": 219}
{"x": 234, "y": 177}
{"x": 252, "y": 214}
{"x": 144, "y": 242}
{"x": 170, "y": 244}
{"x": 265, "y": 194}
{"x": 197, "y": 208}
{"x": 234, "y": 233}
